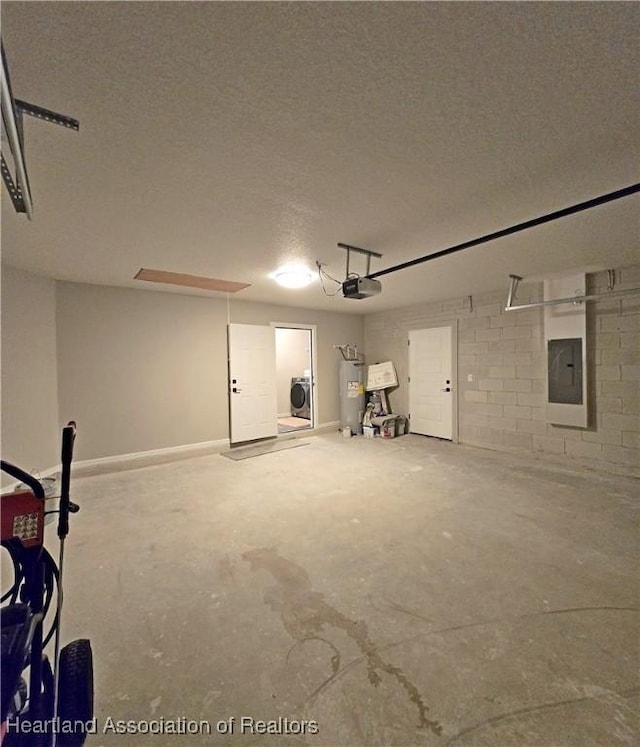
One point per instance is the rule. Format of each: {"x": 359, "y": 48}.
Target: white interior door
{"x": 252, "y": 382}
{"x": 431, "y": 382}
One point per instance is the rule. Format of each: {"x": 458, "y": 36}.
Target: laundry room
{"x": 294, "y": 376}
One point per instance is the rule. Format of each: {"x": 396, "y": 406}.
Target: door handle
{"x": 235, "y": 390}
{"x": 446, "y": 389}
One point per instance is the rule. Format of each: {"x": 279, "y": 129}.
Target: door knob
{"x": 446, "y": 389}
{"x": 235, "y": 390}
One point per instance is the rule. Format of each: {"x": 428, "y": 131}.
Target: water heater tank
{"x": 352, "y": 398}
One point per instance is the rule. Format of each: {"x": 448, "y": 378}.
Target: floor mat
{"x": 246, "y": 452}
{"x": 294, "y": 422}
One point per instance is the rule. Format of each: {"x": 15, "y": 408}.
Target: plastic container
{"x": 388, "y": 429}
{"x": 401, "y": 426}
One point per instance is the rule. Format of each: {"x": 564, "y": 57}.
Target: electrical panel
{"x": 564, "y": 370}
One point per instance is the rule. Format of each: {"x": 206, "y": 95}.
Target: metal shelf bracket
{"x": 513, "y": 287}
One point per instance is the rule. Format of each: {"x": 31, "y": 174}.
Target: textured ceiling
{"x": 222, "y": 139}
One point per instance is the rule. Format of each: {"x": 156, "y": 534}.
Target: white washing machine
{"x": 301, "y": 397}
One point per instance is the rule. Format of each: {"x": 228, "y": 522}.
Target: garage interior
{"x": 474, "y": 588}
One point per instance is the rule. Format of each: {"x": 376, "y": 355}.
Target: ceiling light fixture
{"x": 293, "y": 276}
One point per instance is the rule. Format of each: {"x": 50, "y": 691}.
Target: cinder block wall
{"x": 503, "y": 406}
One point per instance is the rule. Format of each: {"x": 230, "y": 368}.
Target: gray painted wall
{"x": 30, "y": 426}
{"x": 503, "y": 352}
{"x": 142, "y": 370}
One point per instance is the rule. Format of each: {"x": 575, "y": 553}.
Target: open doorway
{"x": 294, "y": 376}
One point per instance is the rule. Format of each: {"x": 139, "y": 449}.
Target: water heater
{"x": 352, "y": 399}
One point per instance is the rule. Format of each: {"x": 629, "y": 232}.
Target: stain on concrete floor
{"x": 305, "y": 614}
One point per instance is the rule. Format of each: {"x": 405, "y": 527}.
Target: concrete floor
{"x": 403, "y": 592}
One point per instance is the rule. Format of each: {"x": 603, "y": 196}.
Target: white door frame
{"x": 453, "y": 325}
{"x": 313, "y": 328}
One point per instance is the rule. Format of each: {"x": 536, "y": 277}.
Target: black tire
{"x": 75, "y": 690}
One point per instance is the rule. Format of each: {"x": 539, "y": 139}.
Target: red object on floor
{"x": 22, "y": 518}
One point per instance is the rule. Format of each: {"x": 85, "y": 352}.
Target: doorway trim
{"x": 453, "y": 326}
{"x": 313, "y": 328}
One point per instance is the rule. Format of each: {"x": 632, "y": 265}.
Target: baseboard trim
{"x": 146, "y": 458}
{"x": 134, "y": 460}
{"x": 50, "y": 472}
{"x": 326, "y": 427}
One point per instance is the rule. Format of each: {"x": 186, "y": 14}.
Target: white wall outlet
{"x": 469, "y": 377}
